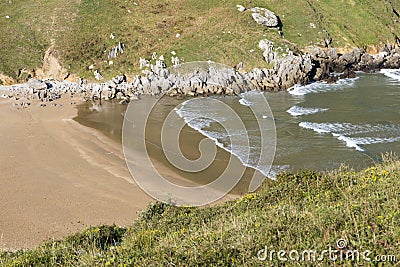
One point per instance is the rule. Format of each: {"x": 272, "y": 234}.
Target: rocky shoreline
{"x": 207, "y": 78}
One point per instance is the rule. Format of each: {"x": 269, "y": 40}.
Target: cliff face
{"x": 85, "y": 32}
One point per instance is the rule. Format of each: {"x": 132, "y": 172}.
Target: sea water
{"x": 318, "y": 126}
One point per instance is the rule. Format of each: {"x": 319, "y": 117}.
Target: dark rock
{"x": 347, "y": 74}
{"x": 332, "y": 79}
{"x": 42, "y": 95}
{"x": 119, "y": 79}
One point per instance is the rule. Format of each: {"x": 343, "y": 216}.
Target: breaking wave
{"x": 355, "y": 135}
{"x": 300, "y": 111}
{"x": 321, "y": 87}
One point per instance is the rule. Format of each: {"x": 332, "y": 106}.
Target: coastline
{"x": 282, "y": 115}
{"x": 59, "y": 177}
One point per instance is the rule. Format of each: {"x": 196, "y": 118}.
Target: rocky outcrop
{"x": 265, "y": 17}
{"x": 386, "y": 58}
{"x": 285, "y": 70}
{"x": 268, "y": 50}
{"x": 217, "y": 81}
{"x": 357, "y": 59}
{"x": 318, "y": 64}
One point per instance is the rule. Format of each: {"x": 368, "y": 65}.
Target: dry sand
{"x": 58, "y": 177}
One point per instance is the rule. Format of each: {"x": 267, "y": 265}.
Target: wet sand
{"x": 58, "y": 177}
{"x": 107, "y": 119}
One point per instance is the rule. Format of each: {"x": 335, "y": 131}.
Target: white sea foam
{"x": 316, "y": 127}
{"x": 277, "y": 169}
{"x": 320, "y": 87}
{"x": 392, "y": 73}
{"x": 376, "y": 140}
{"x": 355, "y": 142}
{"x": 244, "y": 102}
{"x": 350, "y": 133}
{"x": 248, "y": 97}
{"x": 300, "y": 111}
{"x": 189, "y": 111}
{"x": 350, "y": 142}
{"x": 350, "y": 129}
{"x": 251, "y": 96}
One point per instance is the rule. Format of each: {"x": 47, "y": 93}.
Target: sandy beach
{"x": 58, "y": 177}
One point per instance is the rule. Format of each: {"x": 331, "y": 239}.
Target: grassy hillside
{"x": 302, "y": 211}
{"x": 210, "y": 30}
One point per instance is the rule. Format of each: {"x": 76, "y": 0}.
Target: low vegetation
{"x": 209, "y": 30}
{"x": 300, "y": 211}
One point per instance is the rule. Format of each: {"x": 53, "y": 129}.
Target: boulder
{"x": 37, "y": 84}
{"x": 97, "y": 75}
{"x": 265, "y": 17}
{"x": 241, "y": 8}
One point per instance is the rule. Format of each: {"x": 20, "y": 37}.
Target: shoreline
{"x": 59, "y": 177}
{"x": 210, "y": 78}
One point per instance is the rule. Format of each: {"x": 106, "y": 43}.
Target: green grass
{"x": 301, "y": 211}
{"x": 81, "y": 30}
{"x": 27, "y": 34}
